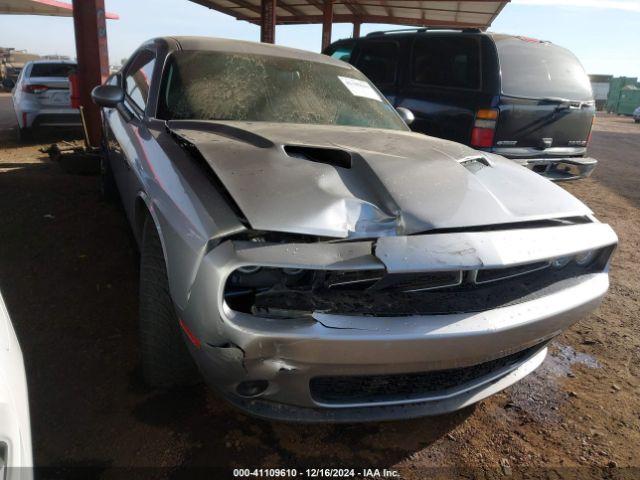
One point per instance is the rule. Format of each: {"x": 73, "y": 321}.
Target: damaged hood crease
{"x": 359, "y": 182}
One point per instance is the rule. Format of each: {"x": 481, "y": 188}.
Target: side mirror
{"x": 108, "y": 96}
{"x": 406, "y": 115}
{"x": 111, "y": 96}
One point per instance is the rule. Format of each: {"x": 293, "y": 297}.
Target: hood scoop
{"x": 329, "y": 156}
{"x": 474, "y": 164}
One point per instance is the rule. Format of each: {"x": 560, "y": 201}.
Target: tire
{"x": 166, "y": 361}
{"x": 24, "y": 134}
{"x": 108, "y": 187}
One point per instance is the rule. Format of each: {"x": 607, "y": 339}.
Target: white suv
{"x": 41, "y": 95}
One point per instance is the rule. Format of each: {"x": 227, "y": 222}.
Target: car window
{"x": 138, "y": 78}
{"x": 52, "y": 69}
{"x": 343, "y": 52}
{"x": 535, "y": 69}
{"x": 206, "y": 85}
{"x": 378, "y": 61}
{"x": 113, "y": 79}
{"x": 446, "y": 61}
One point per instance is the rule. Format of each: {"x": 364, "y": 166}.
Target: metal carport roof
{"x": 434, "y": 13}
{"x": 41, "y": 7}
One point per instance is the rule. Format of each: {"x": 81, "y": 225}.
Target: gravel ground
{"x": 68, "y": 271}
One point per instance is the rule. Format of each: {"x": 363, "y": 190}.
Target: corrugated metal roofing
{"x": 53, "y": 8}
{"x": 428, "y": 13}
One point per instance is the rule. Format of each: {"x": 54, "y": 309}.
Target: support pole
{"x": 268, "y": 21}
{"x": 356, "y": 29}
{"x": 327, "y": 22}
{"x": 93, "y": 59}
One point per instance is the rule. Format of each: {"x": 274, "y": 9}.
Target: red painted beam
{"x": 93, "y": 59}
{"x": 268, "y": 21}
{"x": 327, "y": 22}
{"x": 68, "y": 7}
{"x": 356, "y": 29}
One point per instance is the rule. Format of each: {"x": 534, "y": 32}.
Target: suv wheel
{"x": 166, "y": 361}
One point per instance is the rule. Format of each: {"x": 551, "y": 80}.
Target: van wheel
{"x": 166, "y": 361}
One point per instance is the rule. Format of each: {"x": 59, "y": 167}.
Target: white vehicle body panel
{"x": 15, "y": 426}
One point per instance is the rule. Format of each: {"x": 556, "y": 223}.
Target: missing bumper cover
{"x": 273, "y": 293}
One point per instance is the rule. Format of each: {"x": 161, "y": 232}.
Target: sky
{"x": 604, "y": 34}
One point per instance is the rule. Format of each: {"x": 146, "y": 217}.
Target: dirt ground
{"x": 68, "y": 272}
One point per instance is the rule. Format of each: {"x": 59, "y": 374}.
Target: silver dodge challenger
{"x": 313, "y": 258}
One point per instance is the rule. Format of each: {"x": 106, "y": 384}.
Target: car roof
{"x": 425, "y": 31}
{"x": 505, "y": 36}
{"x": 44, "y": 60}
{"x": 239, "y": 46}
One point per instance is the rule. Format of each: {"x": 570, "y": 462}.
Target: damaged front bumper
{"x": 336, "y": 366}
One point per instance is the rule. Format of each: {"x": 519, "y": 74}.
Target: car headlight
{"x": 561, "y": 262}
{"x": 585, "y": 258}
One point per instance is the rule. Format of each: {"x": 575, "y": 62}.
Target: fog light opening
{"x": 252, "y": 388}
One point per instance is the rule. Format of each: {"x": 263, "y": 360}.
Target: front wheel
{"x": 108, "y": 186}
{"x": 166, "y": 361}
{"x": 24, "y": 134}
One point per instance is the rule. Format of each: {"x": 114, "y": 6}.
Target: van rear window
{"x": 534, "y": 69}
{"x": 52, "y": 69}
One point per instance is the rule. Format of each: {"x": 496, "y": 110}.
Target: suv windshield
{"x": 259, "y": 88}
{"x": 534, "y": 69}
{"x": 52, "y": 69}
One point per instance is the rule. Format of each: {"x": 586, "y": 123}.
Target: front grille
{"x": 286, "y": 293}
{"x": 407, "y": 386}
{"x": 496, "y": 274}
{"x": 390, "y": 302}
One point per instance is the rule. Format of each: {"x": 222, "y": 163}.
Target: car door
{"x": 378, "y": 60}
{"x": 444, "y": 84}
{"x": 126, "y": 137}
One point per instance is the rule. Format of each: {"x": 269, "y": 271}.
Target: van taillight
{"x": 34, "y": 88}
{"x": 484, "y": 128}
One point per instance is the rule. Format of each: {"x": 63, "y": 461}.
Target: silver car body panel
{"x": 408, "y": 203}
{"x": 399, "y": 182}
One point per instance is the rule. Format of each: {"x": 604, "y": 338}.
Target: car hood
{"x": 370, "y": 182}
